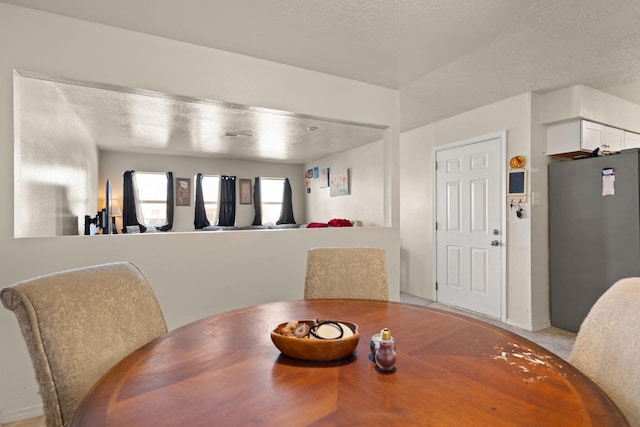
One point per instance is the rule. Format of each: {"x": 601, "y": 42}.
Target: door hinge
{"x": 436, "y": 226}
{"x": 436, "y": 286}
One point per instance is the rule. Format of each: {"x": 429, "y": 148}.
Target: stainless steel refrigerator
{"x": 594, "y": 231}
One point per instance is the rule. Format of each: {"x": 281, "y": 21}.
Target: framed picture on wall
{"x": 245, "y": 191}
{"x": 339, "y": 183}
{"x": 183, "y": 191}
{"x": 324, "y": 178}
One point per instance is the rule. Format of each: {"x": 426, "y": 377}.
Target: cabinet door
{"x": 631, "y": 140}
{"x": 592, "y": 135}
{"x": 613, "y": 139}
{"x": 563, "y": 137}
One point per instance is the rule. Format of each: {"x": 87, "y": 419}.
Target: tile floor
{"x": 553, "y": 339}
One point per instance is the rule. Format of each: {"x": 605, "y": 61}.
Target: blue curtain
{"x": 129, "y": 204}
{"x": 286, "y": 211}
{"x": 170, "y": 203}
{"x": 200, "y": 221}
{"x": 257, "y": 203}
{"x": 227, "y": 212}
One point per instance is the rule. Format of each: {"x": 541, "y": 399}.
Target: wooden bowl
{"x": 313, "y": 349}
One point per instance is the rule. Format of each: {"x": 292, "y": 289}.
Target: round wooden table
{"x": 451, "y": 370}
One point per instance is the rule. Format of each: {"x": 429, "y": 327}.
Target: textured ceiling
{"x": 125, "y": 119}
{"x": 445, "y": 56}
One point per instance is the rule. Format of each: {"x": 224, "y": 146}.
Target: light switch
{"x": 535, "y": 198}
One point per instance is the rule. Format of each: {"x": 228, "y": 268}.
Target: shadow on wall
{"x": 48, "y": 212}
{"x": 66, "y": 221}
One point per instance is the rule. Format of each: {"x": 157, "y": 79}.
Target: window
{"x": 152, "y": 196}
{"x": 210, "y": 194}
{"x": 271, "y": 190}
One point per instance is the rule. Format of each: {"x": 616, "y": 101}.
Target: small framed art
{"x": 245, "y": 191}
{"x": 183, "y": 191}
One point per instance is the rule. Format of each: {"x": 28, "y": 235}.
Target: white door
{"x": 469, "y": 227}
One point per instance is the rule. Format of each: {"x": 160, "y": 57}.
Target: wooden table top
{"x": 451, "y": 370}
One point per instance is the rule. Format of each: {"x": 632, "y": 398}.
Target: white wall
{"x": 591, "y": 104}
{"x": 193, "y": 274}
{"x": 416, "y": 211}
{"x": 113, "y": 164}
{"x": 416, "y": 177}
{"x": 524, "y": 118}
{"x": 365, "y": 201}
{"x": 539, "y": 214}
{"x": 56, "y": 166}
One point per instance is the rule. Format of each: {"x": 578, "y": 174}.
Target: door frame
{"x": 502, "y": 136}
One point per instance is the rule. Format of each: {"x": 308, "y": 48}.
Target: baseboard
{"x": 518, "y": 325}
{"x": 543, "y": 325}
{"x": 532, "y": 328}
{"x": 21, "y": 414}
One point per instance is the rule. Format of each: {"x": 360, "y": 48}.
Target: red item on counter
{"x": 317, "y": 225}
{"x": 340, "y": 223}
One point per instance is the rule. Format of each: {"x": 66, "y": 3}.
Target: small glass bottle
{"x": 385, "y": 355}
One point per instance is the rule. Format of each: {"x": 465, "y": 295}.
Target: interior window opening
{"x": 152, "y": 197}
{"x": 272, "y": 190}
{"x": 211, "y": 194}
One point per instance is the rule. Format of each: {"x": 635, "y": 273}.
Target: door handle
{"x": 495, "y": 243}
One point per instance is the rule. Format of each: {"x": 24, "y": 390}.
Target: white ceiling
{"x": 445, "y": 56}
{"x": 142, "y": 121}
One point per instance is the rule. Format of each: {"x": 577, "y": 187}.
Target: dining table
{"x": 450, "y": 370}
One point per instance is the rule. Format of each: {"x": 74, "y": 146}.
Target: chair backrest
{"x": 79, "y": 323}
{"x": 358, "y": 273}
{"x": 607, "y": 346}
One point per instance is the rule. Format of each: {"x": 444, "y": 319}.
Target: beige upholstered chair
{"x": 79, "y": 323}
{"x": 608, "y": 345}
{"x": 358, "y": 273}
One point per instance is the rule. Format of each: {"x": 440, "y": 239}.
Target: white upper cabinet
{"x": 582, "y": 135}
{"x": 631, "y": 140}
{"x": 613, "y": 139}
{"x": 592, "y": 136}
